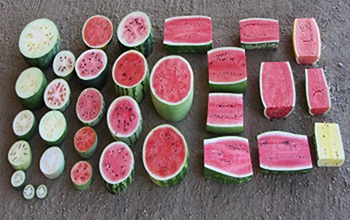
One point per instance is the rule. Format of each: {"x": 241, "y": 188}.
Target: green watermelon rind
{"x": 85, "y": 185}
{"x": 27, "y": 136}
{"x": 58, "y": 140}
{"x": 103, "y": 46}
{"x": 66, "y": 101}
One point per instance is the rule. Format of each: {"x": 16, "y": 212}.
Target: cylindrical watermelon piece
{"x": 90, "y": 107}
{"x": 24, "y": 125}
{"x": 165, "y": 155}
{"x": 41, "y": 191}
{"x": 52, "y": 162}
{"x": 124, "y": 120}
{"x": 57, "y": 95}
{"x": 130, "y": 75}
{"x": 135, "y": 32}
{"x": 171, "y": 83}
{"x": 29, "y": 192}
{"x": 53, "y": 128}
{"x": 97, "y": 32}
{"x": 81, "y": 175}
{"x": 18, "y": 179}
{"x": 20, "y": 155}
{"x": 85, "y": 142}
{"x": 117, "y": 166}
{"x": 63, "y": 64}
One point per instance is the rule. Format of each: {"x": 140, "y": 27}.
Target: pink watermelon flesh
{"x": 165, "y": 152}
{"x": 97, "y": 31}
{"x": 318, "y": 94}
{"x": 124, "y": 117}
{"x": 135, "y": 29}
{"x": 188, "y": 30}
{"x": 116, "y": 162}
{"x": 91, "y": 64}
{"x": 129, "y": 69}
{"x": 227, "y": 65}
{"x": 230, "y": 155}
{"x": 57, "y": 94}
{"x": 307, "y": 43}
{"x": 81, "y": 172}
{"x": 284, "y": 151}
{"x": 84, "y": 139}
{"x": 277, "y": 88}
{"x": 259, "y": 31}
{"x": 172, "y": 80}
{"x": 225, "y": 109}
{"x": 89, "y": 105}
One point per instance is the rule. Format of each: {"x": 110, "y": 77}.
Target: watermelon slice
{"x": 20, "y": 155}
{"x": 188, "y": 34}
{"x": 97, "y": 32}
{"x": 85, "y": 142}
{"x": 63, "y": 64}
{"x": 171, "y": 84}
{"x": 227, "y": 70}
{"x": 124, "y": 120}
{"x": 317, "y": 92}
{"x": 81, "y": 175}
{"x": 57, "y": 95}
{"x": 130, "y": 75}
{"x": 53, "y": 128}
{"x": 165, "y": 155}
{"x": 225, "y": 113}
{"x": 227, "y": 159}
{"x": 117, "y": 166}
{"x": 52, "y": 162}
{"x": 284, "y": 152}
{"x": 329, "y": 145}
{"x": 277, "y": 90}
{"x": 24, "y": 125}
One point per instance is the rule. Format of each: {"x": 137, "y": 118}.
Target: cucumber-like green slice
{"x": 52, "y": 162}
{"x": 18, "y": 179}
{"x": 57, "y": 95}
{"x": 63, "y": 64}
{"x": 20, "y": 155}
{"x": 53, "y": 127}
{"x": 29, "y": 192}
{"x": 41, "y": 191}
{"x": 24, "y": 125}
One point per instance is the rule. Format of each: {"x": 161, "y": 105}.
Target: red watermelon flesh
{"x": 97, "y": 31}
{"x": 91, "y": 63}
{"x": 259, "y": 30}
{"x": 89, "y": 105}
{"x": 84, "y": 139}
{"x": 134, "y": 28}
{"x": 81, "y": 172}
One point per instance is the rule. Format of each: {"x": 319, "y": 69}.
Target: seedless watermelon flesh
{"x": 227, "y": 70}
{"x": 57, "y": 95}
{"x": 52, "y": 162}
{"x": 85, "y": 142}
{"x": 165, "y": 155}
{"x": 277, "y": 90}
{"x": 188, "y": 34}
{"x": 97, "y": 32}
{"x": 227, "y": 159}
{"x": 171, "y": 83}
{"x": 81, "y": 175}
{"x": 53, "y": 128}
{"x": 284, "y": 152}
{"x": 24, "y": 125}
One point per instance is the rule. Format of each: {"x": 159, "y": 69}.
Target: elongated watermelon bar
{"x": 225, "y": 113}
{"x": 90, "y": 107}
{"x": 284, "y": 152}
{"x": 259, "y": 33}
{"x": 306, "y": 41}
{"x": 329, "y": 145}
{"x": 20, "y": 155}
{"x": 53, "y": 128}
{"x": 97, "y": 32}
{"x": 227, "y": 159}
{"x": 130, "y": 75}
{"x": 171, "y": 85}
{"x": 227, "y": 70}
{"x": 165, "y": 155}
{"x": 317, "y": 92}
{"x": 24, "y": 125}
{"x": 52, "y": 162}
{"x": 85, "y": 142}
{"x": 188, "y": 34}
{"x": 117, "y": 167}
{"x": 57, "y": 95}
{"x": 81, "y": 175}
{"x": 277, "y": 90}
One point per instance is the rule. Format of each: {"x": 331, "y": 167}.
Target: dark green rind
{"x": 36, "y": 101}
{"x": 98, "y": 82}
{"x": 59, "y": 140}
{"x": 146, "y": 47}
{"x": 83, "y": 186}
{"x": 224, "y": 130}
{"x": 286, "y": 171}
{"x": 120, "y": 187}
{"x": 175, "y": 49}
{"x": 30, "y": 134}
{"x": 211, "y": 174}
{"x": 23, "y": 184}
{"x": 130, "y": 140}
{"x": 240, "y": 87}
{"x": 269, "y": 45}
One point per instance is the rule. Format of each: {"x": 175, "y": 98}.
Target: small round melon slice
{"x": 63, "y": 64}
{"x": 18, "y": 179}
{"x": 81, "y": 175}
{"x": 57, "y": 95}
{"x": 52, "y": 162}
{"x": 20, "y": 155}
{"x": 29, "y": 192}
{"x": 53, "y": 128}
{"x": 97, "y": 32}
{"x": 24, "y": 125}
{"x": 85, "y": 142}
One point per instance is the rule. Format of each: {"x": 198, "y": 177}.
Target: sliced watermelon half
{"x": 85, "y": 142}
{"x": 81, "y": 175}
{"x": 117, "y": 166}
{"x": 227, "y": 69}
{"x": 24, "y": 125}
{"x": 57, "y": 95}
{"x": 63, "y": 64}
{"x": 188, "y": 34}
{"x": 20, "y": 155}
{"x": 97, "y": 32}
{"x": 227, "y": 159}
{"x": 165, "y": 155}
{"x": 53, "y": 128}
{"x": 277, "y": 90}
{"x": 52, "y": 162}
{"x": 284, "y": 152}
{"x": 171, "y": 85}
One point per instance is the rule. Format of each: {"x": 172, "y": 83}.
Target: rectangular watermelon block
{"x": 227, "y": 70}
{"x": 317, "y": 92}
{"x": 259, "y": 33}
{"x": 329, "y": 145}
{"x": 284, "y": 152}
{"x": 277, "y": 90}
{"x": 188, "y": 34}
{"x": 306, "y": 41}
{"x": 225, "y": 113}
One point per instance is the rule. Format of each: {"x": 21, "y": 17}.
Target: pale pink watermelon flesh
{"x": 91, "y": 64}
{"x": 97, "y": 31}
{"x": 135, "y": 29}
{"x": 129, "y": 69}
{"x": 171, "y": 80}
{"x": 224, "y": 109}
{"x": 318, "y": 94}
{"x": 84, "y": 139}
{"x": 257, "y": 31}
{"x": 81, "y": 172}
{"x": 57, "y": 94}
{"x": 116, "y": 162}
{"x": 188, "y": 30}
{"x": 89, "y": 105}
{"x": 165, "y": 152}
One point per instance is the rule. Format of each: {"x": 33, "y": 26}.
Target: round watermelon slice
{"x": 24, "y": 125}
{"x": 165, "y": 155}
{"x": 81, "y": 175}
{"x": 53, "y": 128}
{"x": 97, "y": 32}
{"x": 171, "y": 85}
{"x": 63, "y": 64}
{"x": 85, "y": 142}
{"x": 52, "y": 162}
{"x": 57, "y": 95}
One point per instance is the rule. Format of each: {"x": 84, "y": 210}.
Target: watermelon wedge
{"x": 284, "y": 152}
{"x": 227, "y": 159}
{"x": 259, "y": 33}
{"x": 317, "y": 92}
{"x": 306, "y": 41}
{"x": 165, "y": 155}
{"x": 227, "y": 70}
{"x": 225, "y": 113}
{"x": 171, "y": 85}
{"x": 277, "y": 90}
{"x": 97, "y": 32}
{"x": 188, "y": 34}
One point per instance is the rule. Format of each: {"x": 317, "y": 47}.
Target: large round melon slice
{"x": 97, "y": 32}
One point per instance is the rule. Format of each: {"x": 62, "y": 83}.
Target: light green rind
{"x": 55, "y": 174}
{"x": 38, "y": 191}
{"x": 26, "y": 159}
{"x": 16, "y": 174}
{"x": 253, "y": 46}
{"x": 29, "y": 192}
{"x": 120, "y": 187}
{"x": 31, "y": 131}
{"x": 224, "y": 130}
{"x": 211, "y": 174}
{"x": 59, "y": 140}
{"x": 187, "y": 48}
{"x": 89, "y": 153}
{"x": 85, "y": 185}
{"x": 285, "y": 171}
{"x": 131, "y": 139}
{"x": 239, "y": 87}
{"x": 146, "y": 47}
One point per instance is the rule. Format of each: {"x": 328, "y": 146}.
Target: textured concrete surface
{"x": 322, "y": 194}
